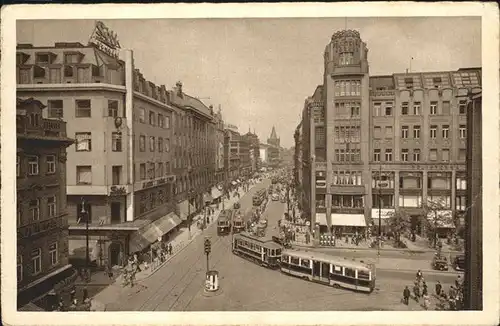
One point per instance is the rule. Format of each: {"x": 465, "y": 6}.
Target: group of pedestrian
{"x": 450, "y": 301}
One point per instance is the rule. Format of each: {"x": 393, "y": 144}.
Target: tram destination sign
{"x": 105, "y": 39}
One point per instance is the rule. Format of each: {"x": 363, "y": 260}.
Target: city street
{"x": 245, "y": 286}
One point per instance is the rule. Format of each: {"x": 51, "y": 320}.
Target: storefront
{"x": 442, "y": 222}
{"x": 385, "y": 215}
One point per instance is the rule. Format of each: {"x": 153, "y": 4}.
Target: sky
{"x": 260, "y": 71}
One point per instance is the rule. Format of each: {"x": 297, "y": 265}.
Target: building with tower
{"x": 376, "y": 145}
{"x": 273, "y": 151}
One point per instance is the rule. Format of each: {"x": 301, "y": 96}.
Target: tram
{"x": 238, "y": 223}
{"x": 259, "y": 197}
{"x": 224, "y": 222}
{"x": 260, "y": 250}
{"x": 329, "y": 270}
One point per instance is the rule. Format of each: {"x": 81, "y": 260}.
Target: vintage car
{"x": 440, "y": 263}
{"x": 459, "y": 263}
{"x": 275, "y": 197}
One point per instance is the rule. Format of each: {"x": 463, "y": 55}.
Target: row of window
{"x": 347, "y": 88}
{"x": 35, "y": 263}
{"x": 82, "y": 109}
{"x": 34, "y": 164}
{"x": 347, "y": 134}
{"x": 350, "y": 109}
{"x": 35, "y": 206}
{"x": 153, "y": 170}
{"x": 416, "y": 109}
{"x": 152, "y": 200}
{"x": 351, "y": 154}
{"x": 154, "y": 119}
{"x": 346, "y": 58}
{"x": 415, "y": 155}
{"x": 163, "y": 144}
{"x": 433, "y": 132}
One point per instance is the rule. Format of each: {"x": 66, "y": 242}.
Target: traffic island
{"x": 212, "y": 287}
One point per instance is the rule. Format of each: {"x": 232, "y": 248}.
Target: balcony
{"x": 40, "y": 228}
{"x": 49, "y": 129}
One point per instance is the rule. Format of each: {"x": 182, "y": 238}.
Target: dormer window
{"x": 21, "y": 58}
{"x": 437, "y": 81}
{"x": 72, "y": 57}
{"x": 45, "y": 58}
{"x": 68, "y": 71}
{"x": 409, "y": 83}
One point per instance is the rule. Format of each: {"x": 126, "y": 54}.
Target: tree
{"x": 399, "y": 223}
{"x": 437, "y": 215}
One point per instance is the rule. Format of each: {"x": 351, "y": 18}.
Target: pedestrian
{"x": 85, "y": 294}
{"x": 419, "y": 275}
{"x": 426, "y": 301}
{"x": 170, "y": 249}
{"x": 424, "y": 289}
{"x": 458, "y": 281}
{"x": 439, "y": 287}
{"x": 406, "y": 295}
{"x": 416, "y": 291}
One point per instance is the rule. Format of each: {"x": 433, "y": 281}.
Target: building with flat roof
{"x": 374, "y": 145}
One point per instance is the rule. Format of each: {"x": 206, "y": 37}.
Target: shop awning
{"x": 151, "y": 232}
{"x": 77, "y": 248}
{"x": 348, "y": 220}
{"x": 185, "y": 208}
{"x": 321, "y": 218}
{"x": 207, "y": 198}
{"x": 444, "y": 218}
{"x": 385, "y": 213}
{"x": 216, "y": 193}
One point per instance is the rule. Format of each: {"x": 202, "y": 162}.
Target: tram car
{"x": 259, "y": 197}
{"x": 224, "y": 222}
{"x": 238, "y": 223}
{"x": 329, "y": 270}
{"x": 260, "y": 250}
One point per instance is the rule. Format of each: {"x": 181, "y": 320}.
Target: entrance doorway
{"x": 116, "y": 212}
{"x": 115, "y": 254}
{"x": 416, "y": 224}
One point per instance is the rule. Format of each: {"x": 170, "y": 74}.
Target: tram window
{"x": 278, "y": 252}
{"x": 337, "y": 269}
{"x": 304, "y": 262}
{"x": 295, "y": 261}
{"x": 350, "y": 272}
{"x": 363, "y": 275}
{"x": 285, "y": 258}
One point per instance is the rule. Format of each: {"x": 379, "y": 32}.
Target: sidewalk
{"x": 179, "y": 242}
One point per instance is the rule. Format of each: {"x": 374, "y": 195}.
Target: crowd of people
{"x": 452, "y": 300}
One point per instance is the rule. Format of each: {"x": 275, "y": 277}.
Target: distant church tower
{"x": 273, "y": 139}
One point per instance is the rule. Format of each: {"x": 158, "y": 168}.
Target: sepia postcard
{"x": 226, "y": 164}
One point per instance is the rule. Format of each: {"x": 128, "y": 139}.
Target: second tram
{"x": 260, "y": 250}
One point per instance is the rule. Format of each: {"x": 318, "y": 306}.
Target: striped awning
{"x": 348, "y": 220}
{"x": 151, "y": 232}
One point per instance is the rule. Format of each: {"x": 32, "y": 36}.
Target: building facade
{"x": 274, "y": 149}
{"x": 143, "y": 154}
{"x": 220, "y": 175}
{"x": 253, "y": 151}
{"x": 42, "y": 216}
{"x": 411, "y": 151}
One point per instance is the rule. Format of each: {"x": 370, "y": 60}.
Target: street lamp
{"x": 85, "y": 215}
{"x": 379, "y": 210}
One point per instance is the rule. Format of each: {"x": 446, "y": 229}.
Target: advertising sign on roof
{"x": 105, "y": 39}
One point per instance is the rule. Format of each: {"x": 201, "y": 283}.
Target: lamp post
{"x": 379, "y": 211}
{"x": 85, "y": 215}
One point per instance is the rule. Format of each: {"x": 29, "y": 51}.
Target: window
{"x": 51, "y": 206}
{"x": 152, "y": 116}
{"x": 463, "y": 131}
{"x": 36, "y": 261}
{"x": 142, "y": 115}
{"x": 410, "y": 200}
{"x": 55, "y": 108}
{"x": 404, "y": 108}
{"x": 433, "y": 154}
{"x": 83, "y": 109}
{"x": 433, "y": 131}
{"x": 461, "y": 183}
{"x": 18, "y": 165}
{"x": 53, "y": 254}
{"x": 84, "y": 174}
{"x": 377, "y": 132}
{"x": 388, "y": 110}
{"x": 83, "y": 141}
{"x": 388, "y": 132}
{"x": 404, "y": 155}
{"x": 39, "y": 72}
{"x": 161, "y": 120}
{"x": 160, "y": 169}
{"x": 445, "y": 155}
{"x": 355, "y": 110}
{"x": 160, "y": 144}
{"x": 116, "y": 141}
{"x": 462, "y": 107}
{"x": 112, "y": 108}
{"x": 19, "y": 268}
{"x": 446, "y": 108}
{"x": 167, "y": 144}
{"x": 167, "y": 122}
{"x": 445, "y": 131}
{"x": 142, "y": 171}
{"x": 35, "y": 209}
{"x": 71, "y": 58}
{"x": 42, "y": 58}
{"x": 417, "y": 108}
{"x": 462, "y": 154}
{"x": 409, "y": 83}
{"x": 416, "y": 155}
{"x": 151, "y": 143}
{"x": 33, "y": 168}
{"x": 68, "y": 71}
{"x": 433, "y": 108}
{"x": 377, "y": 109}
{"x": 460, "y": 203}
{"x": 142, "y": 143}
{"x": 388, "y": 154}
{"x": 416, "y": 132}
{"x": 404, "y": 132}
{"x": 151, "y": 170}
{"x": 376, "y": 155}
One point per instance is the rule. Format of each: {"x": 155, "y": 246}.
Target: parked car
{"x": 440, "y": 263}
{"x": 275, "y": 197}
{"x": 459, "y": 263}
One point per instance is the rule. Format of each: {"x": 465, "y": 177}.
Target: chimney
{"x": 178, "y": 85}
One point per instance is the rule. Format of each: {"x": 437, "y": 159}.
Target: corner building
{"x": 398, "y": 140}
{"x": 139, "y": 147}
